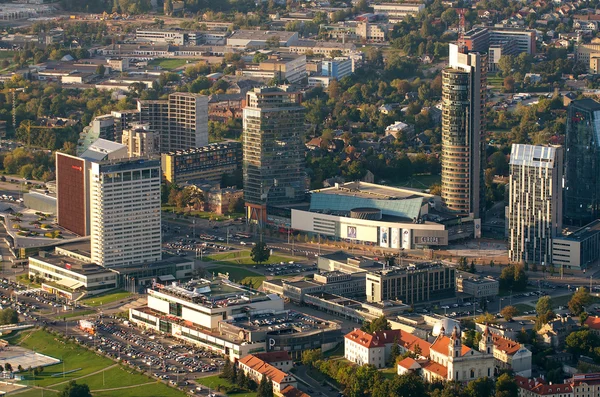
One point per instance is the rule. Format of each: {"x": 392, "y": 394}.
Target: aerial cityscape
{"x": 338, "y": 198}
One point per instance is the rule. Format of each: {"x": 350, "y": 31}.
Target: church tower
{"x": 486, "y": 344}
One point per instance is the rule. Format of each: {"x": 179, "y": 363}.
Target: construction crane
{"x": 462, "y": 43}
{"x": 28, "y": 125}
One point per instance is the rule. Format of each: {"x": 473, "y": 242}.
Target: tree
{"x": 309, "y": 357}
{"x": 509, "y": 84}
{"x": 581, "y": 298}
{"x": 265, "y": 388}
{"x": 100, "y": 70}
{"x": 509, "y": 312}
{"x": 227, "y": 370}
{"x": 394, "y": 353}
{"x": 9, "y": 316}
{"x": 544, "y": 311}
{"x": 272, "y": 41}
{"x": 482, "y": 387}
{"x": 259, "y": 57}
{"x": 513, "y": 277}
{"x": 8, "y": 367}
{"x": 168, "y": 7}
{"x": 260, "y": 253}
{"x": 582, "y": 342}
{"x": 485, "y": 318}
{"x": 379, "y": 324}
{"x": 506, "y": 386}
{"x": 75, "y": 390}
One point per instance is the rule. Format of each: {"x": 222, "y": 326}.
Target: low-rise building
{"x": 396, "y": 12}
{"x": 373, "y": 32}
{"x": 326, "y": 48}
{"x": 477, "y": 287}
{"x": 256, "y": 368}
{"x": 362, "y": 348}
{"x": 576, "y": 251}
{"x": 260, "y": 38}
{"x": 280, "y": 66}
{"x": 539, "y": 387}
{"x": 593, "y": 324}
{"x": 407, "y": 130}
{"x": 556, "y": 331}
{"x": 509, "y": 354}
{"x": 208, "y": 162}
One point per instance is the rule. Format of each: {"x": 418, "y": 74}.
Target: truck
{"x": 87, "y": 326}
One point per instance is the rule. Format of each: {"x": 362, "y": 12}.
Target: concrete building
{"x": 281, "y": 66}
{"x": 181, "y": 121}
{"x": 273, "y": 149}
{"x": 582, "y": 163}
{"x": 325, "y": 48}
{"x": 260, "y": 38}
{"x": 411, "y": 284}
{"x": 140, "y": 141}
{"x": 101, "y": 127}
{"x": 396, "y": 12}
{"x": 463, "y": 123}
{"x": 208, "y": 162}
{"x": 363, "y": 348}
{"x": 118, "y": 64}
{"x": 535, "y": 202}
{"x": 579, "y": 249}
{"x": 511, "y": 355}
{"x": 125, "y": 220}
{"x": 206, "y": 313}
{"x": 373, "y": 32}
{"x": 477, "y": 287}
{"x": 539, "y": 387}
{"x": 337, "y": 68}
{"x": 123, "y": 119}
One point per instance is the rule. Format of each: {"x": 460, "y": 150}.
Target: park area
{"x": 215, "y": 383}
{"x": 169, "y": 64}
{"x": 240, "y": 266}
{"x": 103, "y": 376}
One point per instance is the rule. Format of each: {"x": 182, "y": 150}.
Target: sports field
{"x": 102, "y": 375}
{"x": 104, "y": 299}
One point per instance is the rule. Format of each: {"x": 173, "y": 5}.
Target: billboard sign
{"x": 395, "y": 238}
{"x": 384, "y": 236}
{"x": 406, "y": 239}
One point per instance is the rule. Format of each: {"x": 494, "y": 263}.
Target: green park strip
{"x": 99, "y": 373}
{"x": 107, "y": 298}
{"x": 243, "y": 258}
{"x": 215, "y": 383}
{"x": 168, "y": 64}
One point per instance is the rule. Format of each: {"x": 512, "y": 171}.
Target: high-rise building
{"x": 535, "y": 202}
{"x": 181, "y": 121}
{"x": 140, "y": 141}
{"x": 463, "y": 107}
{"x": 582, "y": 163}
{"x": 273, "y": 149}
{"x": 72, "y": 183}
{"x": 125, "y": 219}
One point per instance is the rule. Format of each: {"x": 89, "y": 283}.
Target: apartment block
{"x": 535, "y": 202}
{"x": 140, "y": 141}
{"x": 208, "y": 162}
{"x": 181, "y": 121}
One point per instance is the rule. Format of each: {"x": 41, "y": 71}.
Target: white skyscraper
{"x": 125, "y": 218}
{"x": 535, "y": 202}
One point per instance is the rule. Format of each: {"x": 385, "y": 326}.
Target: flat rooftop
{"x": 261, "y": 35}
{"x": 586, "y": 231}
{"x": 71, "y": 264}
{"x": 290, "y": 320}
{"x": 413, "y": 267}
{"x": 372, "y": 190}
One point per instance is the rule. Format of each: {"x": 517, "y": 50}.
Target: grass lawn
{"x": 108, "y": 297}
{"x": 168, "y": 64}
{"x": 35, "y": 393}
{"x": 389, "y": 373}
{"x": 75, "y": 314}
{"x": 75, "y": 357}
{"x": 563, "y": 300}
{"x": 199, "y": 214}
{"x": 256, "y": 281}
{"x": 235, "y": 273}
{"x": 243, "y": 258}
{"x": 214, "y": 381}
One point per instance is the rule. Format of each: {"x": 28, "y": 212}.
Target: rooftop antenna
{"x": 462, "y": 44}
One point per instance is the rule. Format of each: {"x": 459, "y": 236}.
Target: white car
{"x": 242, "y": 242}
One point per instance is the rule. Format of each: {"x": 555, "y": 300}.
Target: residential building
{"x": 208, "y": 162}
{"x": 555, "y": 332}
{"x": 101, "y": 127}
{"x": 593, "y": 324}
{"x": 582, "y": 163}
{"x": 524, "y": 39}
{"x": 579, "y": 249}
{"x": 584, "y": 52}
{"x": 123, "y": 119}
{"x": 415, "y": 283}
{"x": 539, "y": 387}
{"x": 363, "y": 348}
{"x": 396, "y": 12}
{"x": 273, "y": 149}
{"x": 281, "y": 66}
{"x": 220, "y": 200}
{"x": 400, "y": 130}
{"x": 337, "y": 68}
{"x": 256, "y": 368}
{"x": 509, "y": 354}
{"x": 140, "y": 141}
{"x": 118, "y": 64}
{"x": 125, "y": 221}
{"x": 372, "y": 32}
{"x": 181, "y": 121}
{"x": 223, "y": 107}
{"x": 260, "y": 38}
{"x": 325, "y": 48}
{"x": 477, "y": 287}
{"x": 463, "y": 123}
{"x": 535, "y": 202}
{"x": 279, "y": 359}
{"x": 586, "y": 385}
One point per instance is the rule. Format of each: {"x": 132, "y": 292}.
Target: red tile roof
{"x": 264, "y": 368}
{"x": 506, "y": 345}
{"x": 407, "y": 363}
{"x": 377, "y": 339}
{"x": 274, "y": 357}
{"x": 409, "y": 342}
{"x": 540, "y": 387}
{"x": 441, "y": 346}
{"x": 291, "y": 391}
{"x": 593, "y": 322}
{"x": 436, "y": 368}
{"x": 588, "y": 379}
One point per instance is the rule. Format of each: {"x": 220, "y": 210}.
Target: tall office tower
{"x": 535, "y": 202}
{"x": 582, "y": 163}
{"x": 123, "y": 118}
{"x": 181, "y": 121}
{"x": 463, "y": 106}
{"x": 72, "y": 183}
{"x": 125, "y": 211}
{"x": 273, "y": 149}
